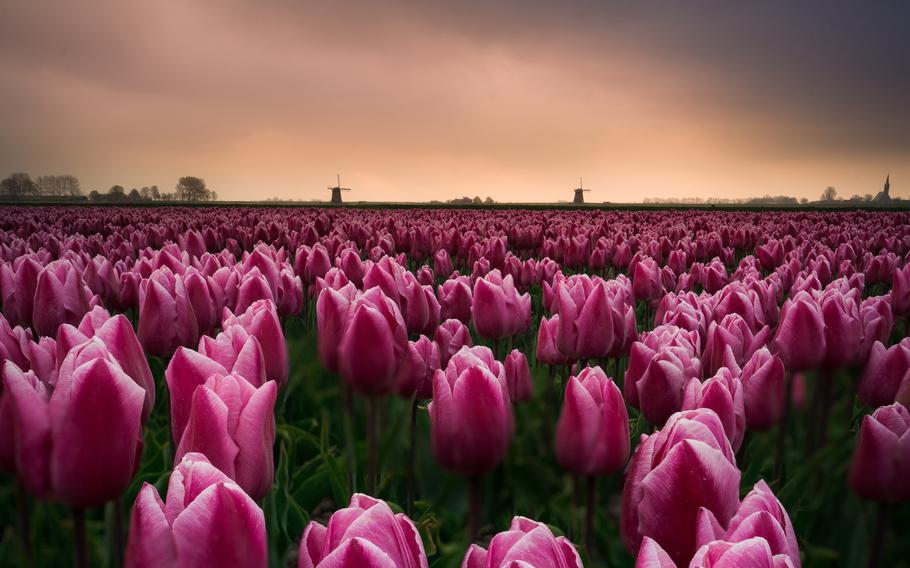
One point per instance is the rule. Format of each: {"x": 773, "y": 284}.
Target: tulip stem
{"x": 349, "y": 438}
{"x": 782, "y": 430}
{"x": 25, "y": 525}
{"x": 372, "y": 436}
{"x": 880, "y": 532}
{"x": 117, "y": 531}
{"x": 474, "y": 489}
{"x": 79, "y": 545}
{"x": 412, "y": 458}
{"x": 589, "y": 517}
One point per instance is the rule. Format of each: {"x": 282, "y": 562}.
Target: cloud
{"x": 513, "y": 99}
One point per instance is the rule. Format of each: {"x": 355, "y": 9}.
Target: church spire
{"x": 887, "y": 184}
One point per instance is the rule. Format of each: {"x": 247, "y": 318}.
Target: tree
{"x": 191, "y": 188}
{"x": 868, "y": 197}
{"x": 116, "y": 193}
{"x": 94, "y": 195}
{"x": 135, "y": 195}
{"x": 489, "y": 201}
{"x": 18, "y": 185}
{"x": 154, "y": 191}
{"x": 830, "y": 194}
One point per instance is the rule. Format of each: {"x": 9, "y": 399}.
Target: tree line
{"x": 20, "y": 186}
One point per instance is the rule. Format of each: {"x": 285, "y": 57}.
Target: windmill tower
{"x": 336, "y": 191}
{"x": 580, "y": 192}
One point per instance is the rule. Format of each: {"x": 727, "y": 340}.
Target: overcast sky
{"x": 418, "y": 100}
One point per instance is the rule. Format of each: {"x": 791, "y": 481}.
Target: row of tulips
{"x": 726, "y": 345}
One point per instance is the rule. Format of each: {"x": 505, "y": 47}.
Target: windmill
{"x": 580, "y": 192}
{"x": 336, "y": 191}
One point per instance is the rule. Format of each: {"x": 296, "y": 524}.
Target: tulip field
{"x": 342, "y": 387}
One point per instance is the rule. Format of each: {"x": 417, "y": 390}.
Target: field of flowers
{"x": 188, "y": 387}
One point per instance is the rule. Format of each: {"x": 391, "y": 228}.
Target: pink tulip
{"x": 592, "y": 436}
{"x": 317, "y": 263}
{"x": 722, "y": 393}
{"x": 498, "y": 310}
{"x": 60, "y": 297}
{"x": 419, "y": 306}
{"x": 800, "y": 337}
{"x": 900, "y": 291}
{"x": 238, "y": 352}
{"x": 261, "y": 321}
{"x": 166, "y": 319}
{"x": 651, "y": 555}
{"x": 843, "y": 329}
{"x": 887, "y": 375}
{"x": 253, "y": 287}
{"x": 518, "y": 377}
{"x": 662, "y": 385}
{"x": 442, "y": 263}
{"x": 18, "y": 281}
{"x": 419, "y": 366}
{"x": 877, "y": 323}
{"x": 332, "y": 311}
{"x": 26, "y": 434}
{"x": 646, "y": 282}
{"x": 750, "y": 552}
{"x": 96, "y": 427}
{"x": 366, "y": 534}
{"x": 451, "y": 336}
{"x": 201, "y": 298}
{"x": 731, "y": 343}
{"x": 881, "y": 460}
{"x": 351, "y": 266}
{"x": 686, "y": 466}
{"x": 373, "y": 343}
{"x": 471, "y": 415}
{"x": 759, "y": 515}
{"x": 119, "y": 339}
{"x": 207, "y": 520}
{"x": 585, "y": 321}
{"x": 233, "y": 424}
{"x": 526, "y": 543}
{"x": 455, "y": 299}
{"x": 547, "y": 350}
{"x": 764, "y": 388}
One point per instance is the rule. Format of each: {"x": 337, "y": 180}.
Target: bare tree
{"x": 830, "y": 194}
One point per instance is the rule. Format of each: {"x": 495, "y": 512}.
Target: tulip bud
{"x": 880, "y": 465}
{"x": 233, "y": 424}
{"x": 526, "y": 543}
{"x": 419, "y": 366}
{"x": 451, "y": 336}
{"x": 674, "y": 473}
{"x": 800, "y": 337}
{"x": 592, "y": 436}
{"x": 764, "y": 388}
{"x": 722, "y": 393}
{"x": 518, "y": 377}
{"x": 471, "y": 416}
{"x": 166, "y": 319}
{"x": 96, "y": 427}
{"x": 60, "y": 297}
{"x": 373, "y": 344}
{"x": 455, "y": 299}
{"x": 207, "y": 520}
{"x": 498, "y": 310}
{"x": 367, "y": 534}
{"x": 261, "y": 321}
{"x": 887, "y": 375}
